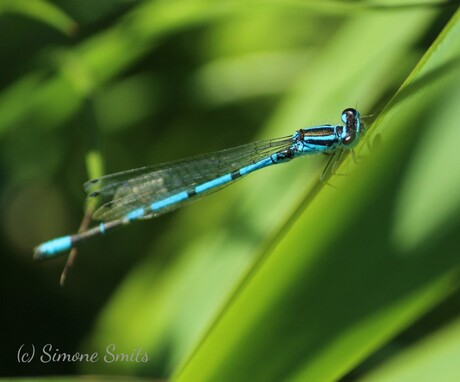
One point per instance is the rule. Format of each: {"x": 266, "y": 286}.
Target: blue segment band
{"x": 135, "y": 214}
{"x": 256, "y": 166}
{"x": 168, "y": 201}
{"x": 213, "y": 183}
{"x": 53, "y": 247}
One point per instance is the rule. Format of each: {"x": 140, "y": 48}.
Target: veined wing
{"x": 122, "y": 192}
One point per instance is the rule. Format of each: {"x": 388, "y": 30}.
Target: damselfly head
{"x": 353, "y": 126}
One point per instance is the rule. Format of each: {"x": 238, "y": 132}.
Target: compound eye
{"x": 349, "y": 113}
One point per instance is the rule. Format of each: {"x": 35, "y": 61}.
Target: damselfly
{"x": 150, "y": 191}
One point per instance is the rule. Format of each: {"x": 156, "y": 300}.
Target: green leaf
{"x": 427, "y": 360}
{"x": 42, "y": 11}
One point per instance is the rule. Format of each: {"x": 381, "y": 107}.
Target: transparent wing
{"x": 118, "y": 194}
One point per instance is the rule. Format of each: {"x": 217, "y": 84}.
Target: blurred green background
{"x": 277, "y": 277}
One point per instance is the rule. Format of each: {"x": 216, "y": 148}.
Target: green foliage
{"x": 42, "y": 11}
{"x": 279, "y": 277}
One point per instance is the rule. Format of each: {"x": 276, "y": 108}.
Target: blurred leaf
{"x": 427, "y": 360}
{"x": 41, "y": 10}
{"x": 83, "y": 69}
